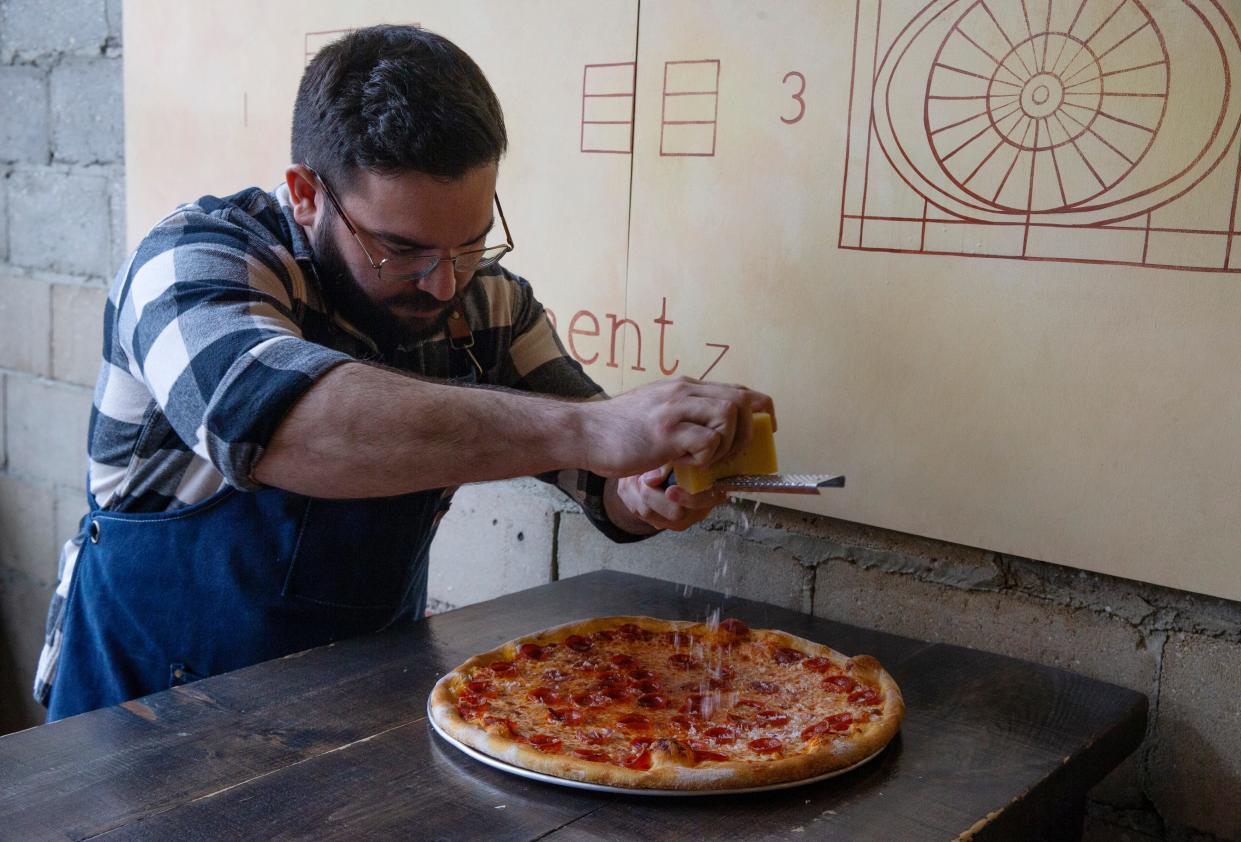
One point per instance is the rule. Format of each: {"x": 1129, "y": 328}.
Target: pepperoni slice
{"x": 481, "y": 688}
{"x": 603, "y": 634}
{"x": 578, "y": 643}
{"x": 591, "y": 700}
{"x": 839, "y": 683}
{"x": 640, "y": 761}
{"x": 592, "y": 754}
{"x": 546, "y": 695}
{"x": 619, "y": 692}
{"x": 642, "y": 675}
{"x": 545, "y": 743}
{"x": 502, "y": 668}
{"x": 818, "y": 664}
{"x": 767, "y": 688}
{"x": 840, "y": 721}
{"x": 569, "y": 716}
{"x": 818, "y": 729}
{"x": 701, "y": 755}
{"x": 654, "y": 701}
{"x": 629, "y": 631}
{"x": 734, "y": 627}
{"x": 766, "y": 745}
{"x": 787, "y": 655}
{"x": 634, "y": 722}
{"x": 772, "y": 718}
{"x": 641, "y": 742}
{"x": 721, "y": 735}
{"x": 467, "y": 711}
{"x": 532, "y": 651}
{"x": 865, "y": 697}
{"x": 622, "y": 660}
{"x": 597, "y": 736}
{"x": 682, "y": 661}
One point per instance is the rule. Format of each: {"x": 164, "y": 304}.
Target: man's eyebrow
{"x": 406, "y": 242}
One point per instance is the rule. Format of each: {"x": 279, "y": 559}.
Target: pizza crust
{"x": 827, "y": 754}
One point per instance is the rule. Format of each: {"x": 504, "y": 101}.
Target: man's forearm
{"x": 363, "y": 431}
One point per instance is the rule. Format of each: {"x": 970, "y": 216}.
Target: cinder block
{"x": 1196, "y": 761}
{"x": 32, "y": 28}
{"x": 24, "y": 120}
{"x": 822, "y": 538}
{"x": 24, "y": 324}
{"x": 496, "y": 539}
{"x": 116, "y": 211}
{"x": 1082, "y": 641}
{"x": 4, "y": 217}
{"x": 87, "y": 117}
{"x": 47, "y": 426}
{"x": 27, "y": 530}
{"x": 23, "y": 611}
{"x": 70, "y": 506}
{"x": 77, "y": 332}
{"x": 719, "y": 559}
{"x": 58, "y": 220}
{"x": 113, "y": 13}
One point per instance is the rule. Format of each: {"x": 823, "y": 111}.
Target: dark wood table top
{"x": 334, "y": 743}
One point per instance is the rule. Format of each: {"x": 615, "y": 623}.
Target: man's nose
{"x": 442, "y": 282}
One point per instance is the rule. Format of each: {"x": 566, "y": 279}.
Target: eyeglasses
{"x": 415, "y": 267}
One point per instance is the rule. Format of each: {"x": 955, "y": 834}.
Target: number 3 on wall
{"x": 801, "y": 103}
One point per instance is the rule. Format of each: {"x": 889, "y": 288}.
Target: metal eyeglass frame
{"x": 507, "y": 245}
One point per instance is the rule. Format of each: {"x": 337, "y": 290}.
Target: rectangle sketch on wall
{"x": 1100, "y": 131}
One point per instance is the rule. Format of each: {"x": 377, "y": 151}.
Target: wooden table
{"x": 334, "y": 743}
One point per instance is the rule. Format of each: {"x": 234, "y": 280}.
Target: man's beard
{"x": 379, "y": 322}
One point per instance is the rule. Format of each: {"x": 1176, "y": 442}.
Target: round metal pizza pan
{"x": 496, "y": 763}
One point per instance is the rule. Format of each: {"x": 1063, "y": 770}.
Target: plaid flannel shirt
{"x": 216, "y": 325}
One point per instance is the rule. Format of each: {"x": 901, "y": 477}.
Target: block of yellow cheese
{"x": 758, "y": 457}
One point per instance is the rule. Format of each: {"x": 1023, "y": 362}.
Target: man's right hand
{"x": 681, "y": 421}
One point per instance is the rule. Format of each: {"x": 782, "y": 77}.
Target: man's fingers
{"x": 708, "y": 499}
{"x": 744, "y": 432}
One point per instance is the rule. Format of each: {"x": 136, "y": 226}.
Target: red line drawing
{"x": 1044, "y": 131}
{"x": 723, "y": 350}
{"x": 607, "y": 107}
{"x": 690, "y": 110}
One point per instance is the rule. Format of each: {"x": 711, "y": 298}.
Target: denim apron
{"x": 159, "y": 599}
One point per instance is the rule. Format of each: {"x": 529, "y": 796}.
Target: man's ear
{"x": 304, "y": 194}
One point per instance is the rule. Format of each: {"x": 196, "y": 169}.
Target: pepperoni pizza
{"x": 659, "y": 704}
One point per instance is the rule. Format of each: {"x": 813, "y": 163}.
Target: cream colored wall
{"x": 986, "y": 368}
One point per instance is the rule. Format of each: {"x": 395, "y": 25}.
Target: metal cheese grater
{"x": 776, "y": 483}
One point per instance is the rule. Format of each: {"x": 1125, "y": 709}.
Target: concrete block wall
{"x": 61, "y": 224}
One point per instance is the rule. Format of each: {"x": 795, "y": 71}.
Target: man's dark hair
{"x": 393, "y": 99}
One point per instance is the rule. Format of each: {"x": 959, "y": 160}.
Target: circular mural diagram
{"x": 1064, "y": 113}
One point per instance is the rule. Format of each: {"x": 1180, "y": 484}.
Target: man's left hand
{"x": 649, "y": 504}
